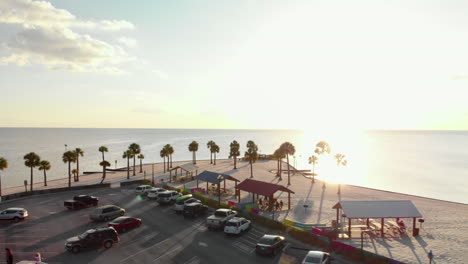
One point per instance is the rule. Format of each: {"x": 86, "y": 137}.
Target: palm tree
{"x": 322, "y": 148}
{"x": 69, "y": 157}
{"x": 103, "y": 149}
{"x": 44, "y": 165}
{"x": 3, "y": 165}
{"x": 163, "y": 154}
{"x": 193, "y": 147}
{"x": 279, "y": 156}
{"x": 31, "y": 160}
{"x": 170, "y": 151}
{"x": 208, "y": 145}
{"x": 128, "y": 154}
{"x": 251, "y": 154}
{"x": 141, "y": 157}
{"x": 313, "y": 160}
{"x": 136, "y": 150}
{"x": 340, "y": 161}
{"x": 234, "y": 152}
{"x": 104, "y": 164}
{"x": 78, "y": 152}
{"x": 214, "y": 149}
{"x": 74, "y": 172}
{"x": 288, "y": 149}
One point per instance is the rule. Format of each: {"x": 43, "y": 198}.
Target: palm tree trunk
{"x": 215, "y": 158}
{"x": 164, "y": 164}
{"x": 103, "y": 174}
{"x": 211, "y": 157}
{"x": 103, "y": 156}
{"x": 289, "y": 175}
{"x": 45, "y": 178}
{"x": 128, "y": 168}
{"x": 281, "y": 169}
{"x": 313, "y": 173}
{"x": 170, "y": 156}
{"x": 251, "y": 169}
{"x": 31, "y": 184}
{"x": 195, "y": 155}
{"x": 141, "y": 166}
{"x": 69, "y": 174}
{"x": 235, "y": 162}
{"x": 134, "y": 165}
{"x": 77, "y": 168}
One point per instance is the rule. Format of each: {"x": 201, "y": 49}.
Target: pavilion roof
{"x": 262, "y": 188}
{"x": 379, "y": 209}
{"x": 212, "y": 177}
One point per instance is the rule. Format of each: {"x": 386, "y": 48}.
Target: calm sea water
{"x": 426, "y": 163}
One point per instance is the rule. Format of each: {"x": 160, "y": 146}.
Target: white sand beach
{"x": 443, "y": 232}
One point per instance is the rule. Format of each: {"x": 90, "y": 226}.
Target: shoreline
{"x": 179, "y": 161}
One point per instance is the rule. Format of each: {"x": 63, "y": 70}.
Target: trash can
{"x": 416, "y": 232}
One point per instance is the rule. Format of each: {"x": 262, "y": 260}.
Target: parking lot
{"x": 164, "y": 236}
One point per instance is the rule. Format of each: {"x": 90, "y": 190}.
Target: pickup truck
{"x": 220, "y": 218}
{"x": 81, "y": 201}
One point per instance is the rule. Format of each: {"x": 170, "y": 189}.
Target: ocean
{"x": 424, "y": 163}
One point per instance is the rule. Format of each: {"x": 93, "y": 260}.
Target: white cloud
{"x": 129, "y": 42}
{"x": 48, "y": 38}
{"x": 161, "y": 75}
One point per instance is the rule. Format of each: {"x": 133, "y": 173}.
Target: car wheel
{"x": 106, "y": 218}
{"x": 75, "y": 249}
{"x": 16, "y": 219}
{"x": 108, "y": 244}
{"x": 139, "y": 224}
{"x": 122, "y": 213}
{"x": 124, "y": 230}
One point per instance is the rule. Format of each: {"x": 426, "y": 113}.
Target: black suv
{"x": 81, "y": 201}
{"x": 195, "y": 209}
{"x": 93, "y": 239}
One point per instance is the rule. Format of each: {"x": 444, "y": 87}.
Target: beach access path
{"x": 444, "y": 230}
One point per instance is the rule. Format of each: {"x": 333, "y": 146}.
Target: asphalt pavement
{"x": 164, "y": 236}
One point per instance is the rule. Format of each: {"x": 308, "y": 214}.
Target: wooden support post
{"x": 414, "y": 224}
{"x": 367, "y": 222}
{"x": 337, "y": 215}
{"x": 207, "y": 187}
{"x": 349, "y": 227}
{"x": 170, "y": 176}
{"x": 238, "y": 197}
{"x": 253, "y": 197}
{"x": 224, "y": 184}
{"x": 219, "y": 194}
{"x": 270, "y": 203}
{"x": 382, "y": 227}
{"x": 289, "y": 201}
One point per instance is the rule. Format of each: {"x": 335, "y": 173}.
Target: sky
{"x": 234, "y": 64}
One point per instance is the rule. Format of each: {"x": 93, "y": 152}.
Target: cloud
{"x": 147, "y": 110}
{"x": 43, "y": 14}
{"x": 160, "y": 74}
{"x": 129, "y": 42}
{"x": 48, "y": 38}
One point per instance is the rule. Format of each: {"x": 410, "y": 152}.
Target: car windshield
{"x": 313, "y": 259}
{"x": 180, "y": 202}
{"x": 266, "y": 241}
{"x": 84, "y": 235}
{"x": 220, "y": 213}
{"x": 138, "y": 188}
{"x": 231, "y": 224}
{"x": 119, "y": 220}
{"x": 164, "y": 195}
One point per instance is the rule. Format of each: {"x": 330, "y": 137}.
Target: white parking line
{"x": 170, "y": 253}
{"x": 145, "y": 249}
{"x": 193, "y": 260}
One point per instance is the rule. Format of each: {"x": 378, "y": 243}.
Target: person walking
{"x": 281, "y": 204}
{"x": 430, "y": 256}
{"x": 277, "y": 206}
{"x": 9, "y": 256}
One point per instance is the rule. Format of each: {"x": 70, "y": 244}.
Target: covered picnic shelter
{"x": 263, "y": 188}
{"x": 187, "y": 167}
{"x": 215, "y": 178}
{"x": 377, "y": 209}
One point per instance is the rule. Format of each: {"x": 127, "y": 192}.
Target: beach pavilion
{"x": 215, "y": 178}
{"x": 187, "y": 167}
{"x": 375, "y": 209}
{"x": 263, "y": 188}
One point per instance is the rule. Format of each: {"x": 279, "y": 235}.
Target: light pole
{"x": 65, "y": 147}
{"x": 115, "y": 164}
{"x": 152, "y": 173}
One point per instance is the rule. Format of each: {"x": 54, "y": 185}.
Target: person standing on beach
{"x": 430, "y": 256}
{"x": 9, "y": 256}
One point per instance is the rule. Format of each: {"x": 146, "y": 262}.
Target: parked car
{"x": 219, "y": 218}
{"x": 106, "y": 213}
{"x": 15, "y": 214}
{"x": 81, "y": 201}
{"x": 93, "y": 239}
{"x": 124, "y": 223}
{"x": 236, "y": 225}
{"x": 195, "y": 209}
{"x": 317, "y": 257}
{"x": 142, "y": 188}
{"x": 153, "y": 193}
{"x": 168, "y": 197}
{"x": 270, "y": 245}
{"x": 182, "y": 201}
